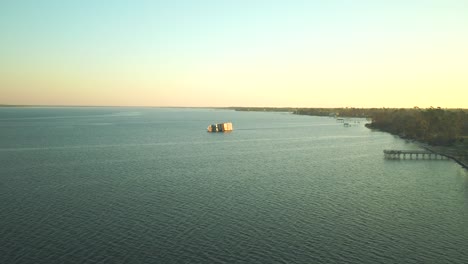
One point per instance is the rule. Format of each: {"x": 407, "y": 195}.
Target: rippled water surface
{"x": 143, "y": 185}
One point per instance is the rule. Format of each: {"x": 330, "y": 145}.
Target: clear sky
{"x": 330, "y": 53}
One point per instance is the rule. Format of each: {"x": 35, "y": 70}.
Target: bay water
{"x": 150, "y": 185}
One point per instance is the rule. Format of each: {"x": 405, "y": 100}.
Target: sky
{"x": 216, "y": 53}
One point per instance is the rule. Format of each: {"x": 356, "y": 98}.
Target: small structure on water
{"x": 221, "y": 127}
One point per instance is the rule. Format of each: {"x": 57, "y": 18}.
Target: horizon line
{"x": 224, "y": 107}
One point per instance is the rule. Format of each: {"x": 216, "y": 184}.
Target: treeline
{"x": 343, "y": 112}
{"x": 435, "y": 126}
{"x": 263, "y": 109}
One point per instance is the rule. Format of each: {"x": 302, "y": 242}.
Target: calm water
{"x": 136, "y": 185}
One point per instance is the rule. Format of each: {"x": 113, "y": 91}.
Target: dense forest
{"x": 435, "y": 126}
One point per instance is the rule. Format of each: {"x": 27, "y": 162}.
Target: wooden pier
{"x": 412, "y": 154}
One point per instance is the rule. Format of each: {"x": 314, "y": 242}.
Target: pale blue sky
{"x": 160, "y": 43}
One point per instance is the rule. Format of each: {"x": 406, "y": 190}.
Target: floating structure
{"x": 404, "y": 154}
{"x": 221, "y": 127}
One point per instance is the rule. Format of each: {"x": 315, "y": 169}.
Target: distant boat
{"x": 221, "y": 127}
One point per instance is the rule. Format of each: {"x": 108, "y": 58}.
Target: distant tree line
{"x": 343, "y": 112}
{"x": 263, "y": 109}
{"x": 346, "y": 112}
{"x": 435, "y": 126}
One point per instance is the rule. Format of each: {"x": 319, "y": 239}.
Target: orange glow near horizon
{"x": 299, "y": 62}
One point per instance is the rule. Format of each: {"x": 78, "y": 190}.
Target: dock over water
{"x": 412, "y": 154}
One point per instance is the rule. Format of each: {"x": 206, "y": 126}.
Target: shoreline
{"x": 446, "y": 151}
